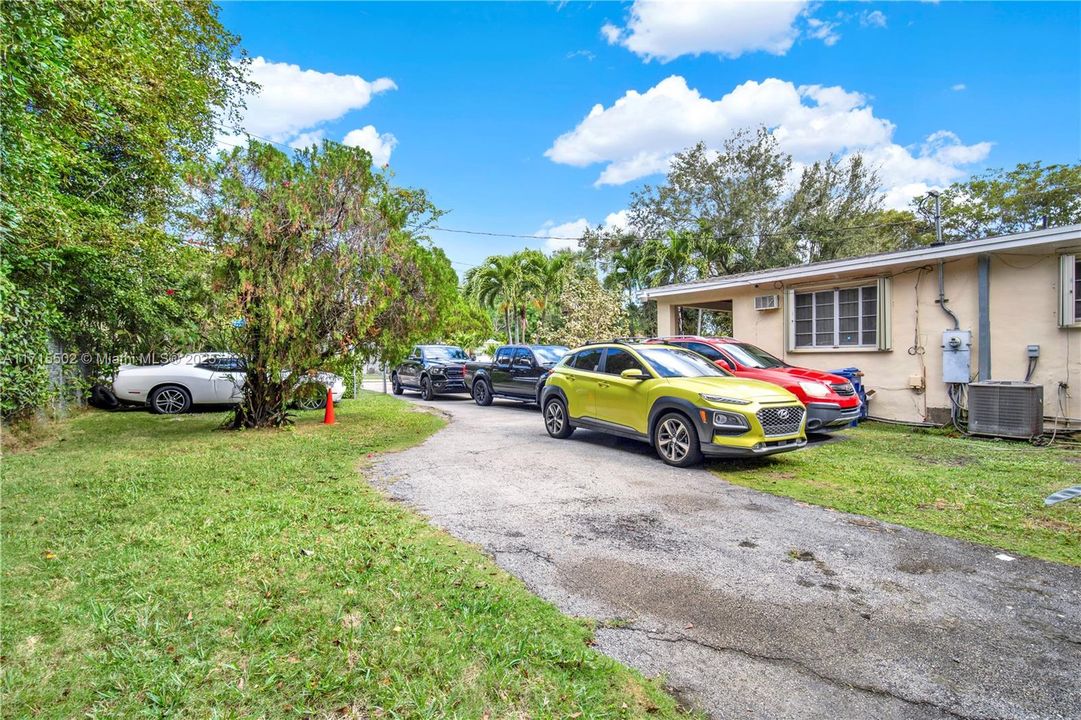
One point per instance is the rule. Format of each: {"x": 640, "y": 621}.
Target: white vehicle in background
{"x": 207, "y": 379}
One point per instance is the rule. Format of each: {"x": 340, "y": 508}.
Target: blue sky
{"x": 485, "y": 105}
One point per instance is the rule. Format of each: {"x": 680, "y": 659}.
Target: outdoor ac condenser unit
{"x": 1005, "y": 408}
{"x": 766, "y": 302}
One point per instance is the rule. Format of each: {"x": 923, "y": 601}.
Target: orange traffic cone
{"x": 328, "y": 416}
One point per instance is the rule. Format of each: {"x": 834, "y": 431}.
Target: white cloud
{"x": 291, "y": 102}
{"x": 379, "y": 145}
{"x": 875, "y": 18}
{"x": 638, "y": 134}
{"x": 959, "y": 87}
{"x": 565, "y": 235}
{"x": 824, "y": 31}
{"x": 610, "y": 33}
{"x": 307, "y": 139}
{"x": 666, "y": 30}
{"x": 617, "y": 220}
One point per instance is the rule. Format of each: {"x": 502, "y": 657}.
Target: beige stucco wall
{"x": 1023, "y": 311}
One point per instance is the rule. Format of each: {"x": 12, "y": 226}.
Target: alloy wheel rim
{"x": 553, "y": 417}
{"x": 307, "y": 402}
{"x": 169, "y": 402}
{"x": 674, "y": 440}
{"x": 482, "y": 392}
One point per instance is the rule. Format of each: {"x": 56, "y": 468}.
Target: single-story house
{"x": 1014, "y": 302}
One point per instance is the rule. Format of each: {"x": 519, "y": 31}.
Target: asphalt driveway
{"x": 751, "y": 606}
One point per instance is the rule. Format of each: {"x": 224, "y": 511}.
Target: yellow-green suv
{"x": 674, "y": 399}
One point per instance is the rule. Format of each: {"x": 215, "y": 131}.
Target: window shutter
{"x": 790, "y": 318}
{"x": 1067, "y": 314}
{"x": 885, "y": 313}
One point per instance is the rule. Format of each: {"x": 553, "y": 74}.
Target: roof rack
{"x": 618, "y": 341}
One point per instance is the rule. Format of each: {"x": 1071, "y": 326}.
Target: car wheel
{"x": 169, "y": 400}
{"x": 426, "y": 392}
{"x": 395, "y": 386}
{"x": 481, "y": 394}
{"x": 311, "y": 396}
{"x": 556, "y": 420}
{"x": 676, "y": 441}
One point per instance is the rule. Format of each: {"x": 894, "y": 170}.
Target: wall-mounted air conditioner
{"x": 767, "y": 302}
{"x": 1005, "y": 408}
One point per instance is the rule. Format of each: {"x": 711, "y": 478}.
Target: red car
{"x": 830, "y": 399}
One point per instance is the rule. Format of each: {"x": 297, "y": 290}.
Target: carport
{"x": 703, "y": 317}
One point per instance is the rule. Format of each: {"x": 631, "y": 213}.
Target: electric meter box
{"x": 957, "y": 356}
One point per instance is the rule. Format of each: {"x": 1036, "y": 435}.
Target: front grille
{"x": 453, "y": 372}
{"x": 844, "y": 389}
{"x": 780, "y": 421}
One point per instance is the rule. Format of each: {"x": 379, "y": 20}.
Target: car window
{"x": 707, "y": 350}
{"x": 752, "y": 356}
{"x": 587, "y": 360}
{"x": 522, "y": 356}
{"x": 503, "y": 356}
{"x": 222, "y": 364}
{"x": 445, "y": 352}
{"x": 229, "y": 364}
{"x": 619, "y": 360}
{"x": 416, "y": 353}
{"x": 670, "y": 362}
{"x": 550, "y": 353}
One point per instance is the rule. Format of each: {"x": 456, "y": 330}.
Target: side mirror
{"x": 472, "y": 356}
{"x": 634, "y": 374}
{"x": 723, "y": 364}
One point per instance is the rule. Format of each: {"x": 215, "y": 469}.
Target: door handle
{"x": 603, "y": 384}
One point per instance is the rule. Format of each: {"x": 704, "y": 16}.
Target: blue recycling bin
{"x": 854, "y": 375}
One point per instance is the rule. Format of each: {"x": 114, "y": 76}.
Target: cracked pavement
{"x": 750, "y": 605}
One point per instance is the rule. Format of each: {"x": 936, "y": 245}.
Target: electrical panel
{"x": 957, "y": 356}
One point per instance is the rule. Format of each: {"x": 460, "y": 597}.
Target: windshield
{"x": 669, "y": 362}
{"x": 549, "y": 354}
{"x": 752, "y": 356}
{"x": 444, "y": 353}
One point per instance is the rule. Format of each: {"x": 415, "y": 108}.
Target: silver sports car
{"x": 206, "y": 379}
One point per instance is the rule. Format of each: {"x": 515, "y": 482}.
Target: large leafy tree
{"x": 319, "y": 257}
{"x": 103, "y": 102}
{"x": 999, "y": 202}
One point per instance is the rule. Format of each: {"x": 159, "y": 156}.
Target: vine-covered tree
{"x": 319, "y": 257}
{"x": 587, "y": 312}
{"x": 104, "y": 101}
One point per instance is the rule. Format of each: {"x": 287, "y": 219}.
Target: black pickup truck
{"x": 517, "y": 373}
{"x": 431, "y": 369}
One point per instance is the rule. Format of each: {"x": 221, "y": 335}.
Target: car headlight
{"x": 437, "y": 371}
{"x": 730, "y": 421}
{"x": 722, "y": 400}
{"x": 814, "y": 389}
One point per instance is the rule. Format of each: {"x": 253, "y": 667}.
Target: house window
{"x": 840, "y": 317}
{"x": 1070, "y": 287}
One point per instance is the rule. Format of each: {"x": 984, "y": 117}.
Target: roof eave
{"x": 1000, "y": 243}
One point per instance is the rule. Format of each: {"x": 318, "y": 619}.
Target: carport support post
{"x": 984, "y": 297}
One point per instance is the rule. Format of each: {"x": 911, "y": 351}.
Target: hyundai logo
{"x": 783, "y": 413}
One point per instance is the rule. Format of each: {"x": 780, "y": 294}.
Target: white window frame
{"x": 1069, "y": 316}
{"x": 883, "y": 329}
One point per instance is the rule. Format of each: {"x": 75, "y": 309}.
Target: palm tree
{"x": 495, "y": 284}
{"x": 544, "y": 279}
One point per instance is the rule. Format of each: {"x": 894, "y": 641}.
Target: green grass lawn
{"x": 986, "y": 491}
{"x": 158, "y": 566}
